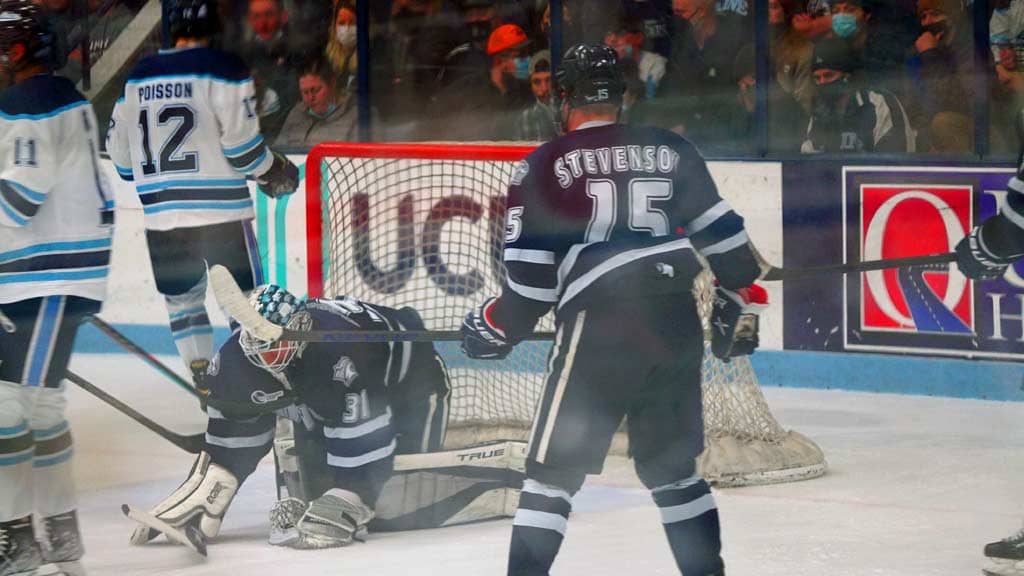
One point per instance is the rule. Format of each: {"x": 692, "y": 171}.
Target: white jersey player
{"x": 56, "y": 213}
{"x": 187, "y": 133}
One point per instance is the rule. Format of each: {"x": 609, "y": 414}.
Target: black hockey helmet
{"x": 193, "y": 19}
{"x": 22, "y": 22}
{"x": 590, "y": 74}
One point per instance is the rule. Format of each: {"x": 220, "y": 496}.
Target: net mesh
{"x": 428, "y": 233}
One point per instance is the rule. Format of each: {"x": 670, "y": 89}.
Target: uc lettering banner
{"x": 836, "y": 213}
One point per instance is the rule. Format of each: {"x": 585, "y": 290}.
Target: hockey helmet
{"x": 193, "y": 19}
{"x": 22, "y": 22}
{"x": 590, "y": 74}
{"x": 284, "y": 309}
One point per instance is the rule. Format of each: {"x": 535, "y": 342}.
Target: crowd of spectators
{"x": 888, "y": 76}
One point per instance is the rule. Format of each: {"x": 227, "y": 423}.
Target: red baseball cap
{"x": 506, "y": 37}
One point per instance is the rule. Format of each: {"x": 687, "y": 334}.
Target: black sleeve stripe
{"x": 247, "y": 159}
{"x": 536, "y": 275}
{"x": 15, "y": 200}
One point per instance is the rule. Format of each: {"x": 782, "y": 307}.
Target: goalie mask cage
{"x": 422, "y": 225}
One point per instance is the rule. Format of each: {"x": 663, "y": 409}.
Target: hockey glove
{"x": 282, "y": 178}
{"x": 734, "y": 321}
{"x": 332, "y": 520}
{"x": 975, "y": 261}
{"x": 201, "y": 500}
{"x": 481, "y": 338}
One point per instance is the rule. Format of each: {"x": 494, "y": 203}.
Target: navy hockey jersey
{"x": 187, "y": 133}
{"x": 611, "y": 212}
{"x": 56, "y": 208}
{"x": 351, "y": 389}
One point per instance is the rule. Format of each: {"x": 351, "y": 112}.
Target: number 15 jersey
{"x": 186, "y": 132}
{"x": 611, "y": 212}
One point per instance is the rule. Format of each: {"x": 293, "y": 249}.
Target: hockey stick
{"x": 776, "y": 274}
{"x": 192, "y": 444}
{"x": 139, "y": 351}
{"x": 236, "y": 305}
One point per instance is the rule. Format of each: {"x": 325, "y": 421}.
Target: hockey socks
{"x": 538, "y": 528}
{"x": 690, "y": 518}
{"x": 190, "y": 325}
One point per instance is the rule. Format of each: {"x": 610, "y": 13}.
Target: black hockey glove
{"x": 734, "y": 321}
{"x": 282, "y": 178}
{"x": 480, "y": 338}
{"x": 975, "y": 261}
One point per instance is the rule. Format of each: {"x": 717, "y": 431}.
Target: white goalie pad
{"x": 438, "y": 489}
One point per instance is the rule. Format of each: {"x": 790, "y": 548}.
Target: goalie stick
{"x": 236, "y": 305}
{"x": 192, "y": 444}
{"x": 139, "y": 351}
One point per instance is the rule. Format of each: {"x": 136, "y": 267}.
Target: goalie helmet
{"x": 194, "y": 19}
{"x": 590, "y": 74}
{"x": 284, "y": 309}
{"x": 22, "y": 22}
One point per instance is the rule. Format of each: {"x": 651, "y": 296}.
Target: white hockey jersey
{"x": 187, "y": 133}
{"x": 56, "y": 209}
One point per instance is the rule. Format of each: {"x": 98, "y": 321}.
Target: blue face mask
{"x": 844, "y": 25}
{"x": 522, "y": 68}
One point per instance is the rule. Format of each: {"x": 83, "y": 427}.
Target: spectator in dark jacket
{"x": 945, "y": 56}
{"x": 787, "y": 120}
{"x": 848, "y": 118}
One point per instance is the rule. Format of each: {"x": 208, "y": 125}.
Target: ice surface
{"x": 917, "y": 486}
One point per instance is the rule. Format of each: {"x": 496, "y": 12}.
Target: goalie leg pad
{"x": 202, "y": 499}
{"x": 332, "y": 520}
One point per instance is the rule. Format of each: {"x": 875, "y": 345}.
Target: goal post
{"x": 422, "y": 225}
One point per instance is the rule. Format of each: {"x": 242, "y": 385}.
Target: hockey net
{"x": 422, "y": 226}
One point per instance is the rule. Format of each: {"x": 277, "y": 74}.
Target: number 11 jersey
{"x": 186, "y": 132}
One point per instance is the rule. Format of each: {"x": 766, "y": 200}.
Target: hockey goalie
{"x": 336, "y": 416}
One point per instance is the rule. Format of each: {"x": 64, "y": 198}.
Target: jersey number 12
{"x": 170, "y": 159}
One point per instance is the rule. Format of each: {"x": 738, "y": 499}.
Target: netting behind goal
{"x": 423, "y": 226}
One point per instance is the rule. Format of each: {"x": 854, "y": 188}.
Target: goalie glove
{"x": 481, "y": 338}
{"x": 734, "y": 321}
{"x": 975, "y": 261}
{"x": 201, "y": 500}
{"x": 281, "y": 179}
{"x": 332, "y": 520}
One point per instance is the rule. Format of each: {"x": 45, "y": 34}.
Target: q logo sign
{"x": 911, "y": 220}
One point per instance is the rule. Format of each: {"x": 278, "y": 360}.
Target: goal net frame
{"x": 745, "y": 445}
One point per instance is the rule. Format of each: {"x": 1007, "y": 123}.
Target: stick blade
{"x": 236, "y": 305}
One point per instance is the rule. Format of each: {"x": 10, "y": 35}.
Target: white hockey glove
{"x": 332, "y": 520}
{"x": 734, "y": 321}
{"x": 281, "y": 179}
{"x": 975, "y": 261}
{"x": 482, "y": 339}
{"x": 201, "y": 500}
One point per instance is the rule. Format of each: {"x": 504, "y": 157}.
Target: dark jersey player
{"x": 984, "y": 254}
{"x": 606, "y": 225}
{"x": 366, "y": 402}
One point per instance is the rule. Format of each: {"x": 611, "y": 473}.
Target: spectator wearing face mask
{"x": 882, "y": 33}
{"x": 848, "y": 118}
{"x": 341, "y": 47}
{"x": 325, "y": 113}
{"x": 538, "y": 123}
{"x": 484, "y": 104}
{"x": 627, "y": 39}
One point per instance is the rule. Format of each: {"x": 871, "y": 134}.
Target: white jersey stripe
{"x": 529, "y": 256}
{"x": 534, "y": 487}
{"x": 690, "y": 510}
{"x": 241, "y": 441}
{"x": 533, "y": 293}
{"x": 543, "y": 520}
{"x": 730, "y": 243}
{"x": 563, "y": 381}
{"x": 620, "y": 259}
{"x": 707, "y": 218}
{"x": 357, "y": 461}
{"x": 368, "y": 427}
